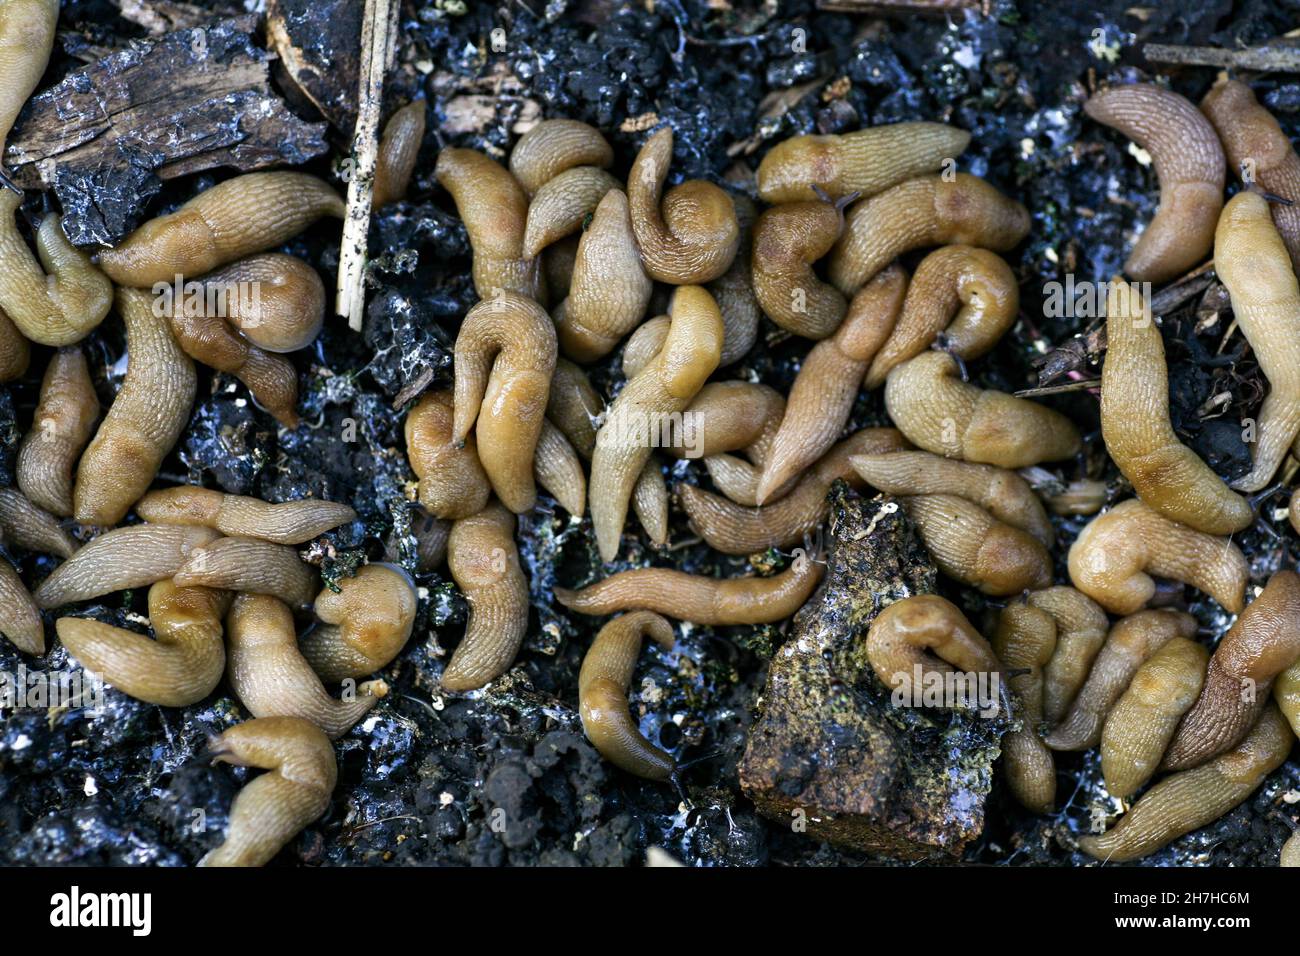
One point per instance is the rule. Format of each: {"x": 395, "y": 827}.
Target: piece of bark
{"x": 164, "y": 16}
{"x": 318, "y": 43}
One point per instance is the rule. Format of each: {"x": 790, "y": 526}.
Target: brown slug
{"x": 734, "y": 291}
{"x": 553, "y": 146}
{"x": 33, "y": 528}
{"x": 399, "y": 148}
{"x": 562, "y": 205}
{"x": 276, "y": 301}
{"x": 453, "y": 483}
{"x": 1025, "y": 640}
{"x": 1286, "y": 691}
{"x": 650, "y": 501}
{"x": 728, "y": 416}
{"x": 788, "y": 239}
{"x": 558, "y": 469}
{"x": 1086, "y": 496}
{"x": 253, "y": 566}
{"x": 63, "y": 422}
{"x": 15, "y": 351}
{"x": 1081, "y": 629}
{"x": 27, "y": 30}
{"x": 290, "y": 522}
{"x": 574, "y": 406}
{"x": 365, "y": 623}
{"x": 20, "y": 618}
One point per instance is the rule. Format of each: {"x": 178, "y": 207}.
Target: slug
{"x": 494, "y": 208}
{"x": 143, "y": 423}
{"x": 664, "y": 387}
{"x": 1186, "y": 801}
{"x": 734, "y": 529}
{"x": 504, "y": 360}
{"x": 788, "y": 239}
{"x": 1256, "y": 145}
{"x": 239, "y": 516}
{"x": 563, "y": 204}
{"x": 738, "y": 479}
{"x": 558, "y": 469}
{"x": 1262, "y": 643}
{"x": 1112, "y": 556}
{"x": 927, "y": 632}
{"x": 1290, "y": 854}
{"x": 1189, "y": 164}
{"x": 120, "y": 560}
{"x": 694, "y": 237}
{"x": 31, "y": 527}
{"x": 15, "y": 351}
{"x": 603, "y": 684}
{"x": 1025, "y": 640}
{"x": 609, "y": 291}
{"x": 553, "y": 146}
{"x": 1253, "y": 263}
{"x": 484, "y": 563}
{"x": 937, "y": 411}
{"x": 734, "y": 291}
{"x": 247, "y": 214}
{"x": 20, "y": 618}
{"x": 971, "y": 546}
{"x": 399, "y": 148}
{"x": 650, "y": 501}
{"x": 63, "y": 422}
{"x": 453, "y": 483}
{"x": 253, "y": 566}
{"x": 276, "y": 301}
{"x": 1286, "y": 691}
{"x": 866, "y": 161}
{"x": 1130, "y": 643}
{"x": 1086, "y": 496}
{"x": 269, "y": 674}
{"x": 1144, "y": 719}
{"x": 181, "y": 666}
{"x": 644, "y": 344}
{"x": 968, "y": 294}
{"x": 727, "y": 416}
{"x": 366, "y": 623}
{"x": 60, "y": 308}
{"x": 1002, "y": 493}
{"x": 272, "y": 809}
{"x": 26, "y": 42}
{"x": 923, "y": 212}
{"x": 710, "y": 602}
{"x": 1081, "y": 629}
{"x": 823, "y": 392}
{"x": 574, "y": 406}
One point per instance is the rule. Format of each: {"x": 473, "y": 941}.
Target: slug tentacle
{"x": 252, "y": 566}
{"x": 367, "y": 622}
{"x": 180, "y": 667}
{"x": 927, "y": 632}
{"x": 63, "y": 422}
{"x": 239, "y": 516}
{"x": 971, "y": 546}
{"x": 399, "y": 148}
{"x": 562, "y": 204}
{"x": 1025, "y": 639}
{"x": 20, "y": 618}
{"x": 603, "y": 684}
{"x": 1112, "y": 556}
{"x": 1081, "y": 629}
{"x": 1189, "y": 163}
{"x": 272, "y": 809}
{"x": 734, "y": 291}
{"x": 453, "y": 483}
{"x": 31, "y": 527}
{"x": 788, "y": 239}
{"x": 505, "y": 358}
{"x": 554, "y": 146}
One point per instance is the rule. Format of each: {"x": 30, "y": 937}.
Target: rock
{"x": 828, "y": 753}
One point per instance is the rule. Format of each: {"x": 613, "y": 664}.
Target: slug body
{"x": 558, "y": 469}
{"x": 1286, "y": 691}
{"x": 399, "y": 148}
{"x": 1081, "y": 629}
{"x": 20, "y": 618}
{"x": 253, "y": 566}
{"x": 603, "y": 684}
{"x": 1025, "y": 640}
{"x": 574, "y": 406}
{"x": 272, "y": 809}
{"x": 277, "y": 302}
{"x": 554, "y": 146}
{"x": 291, "y": 522}
{"x": 734, "y": 291}
{"x": 31, "y": 528}
{"x": 970, "y": 545}
{"x": 63, "y": 422}
{"x": 927, "y": 632}
{"x": 367, "y": 622}
{"x": 561, "y": 206}
{"x": 453, "y": 483}
{"x": 1189, "y": 163}
{"x": 26, "y": 41}
{"x": 247, "y": 214}
{"x": 788, "y": 239}
{"x": 15, "y": 351}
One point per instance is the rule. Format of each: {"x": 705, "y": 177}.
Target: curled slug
{"x": 20, "y": 618}
{"x": 865, "y": 161}
{"x": 276, "y": 301}
{"x": 1286, "y": 691}
{"x": 968, "y": 294}
{"x": 937, "y": 411}
{"x": 1167, "y": 475}
{"x": 505, "y": 358}
{"x": 367, "y": 622}
{"x": 1257, "y": 147}
{"x": 927, "y": 211}
{"x": 484, "y": 563}
{"x": 1189, "y": 163}
{"x": 558, "y": 469}
{"x": 665, "y": 387}
{"x": 822, "y": 395}
{"x": 399, "y": 148}
{"x": 122, "y": 559}
{"x": 247, "y": 214}
{"x": 272, "y": 809}
{"x": 61, "y": 425}
{"x": 733, "y": 529}
{"x": 181, "y": 666}
{"x": 1186, "y": 801}
{"x": 1025, "y": 639}
{"x": 1144, "y": 719}
{"x": 1262, "y": 643}
{"x": 15, "y": 352}
{"x": 1252, "y": 262}
{"x": 253, "y": 566}
{"x": 609, "y": 291}
{"x": 1003, "y": 494}
{"x": 26, "y": 41}
{"x": 556, "y": 145}
{"x": 650, "y": 502}
{"x": 734, "y": 291}
{"x": 603, "y": 684}
{"x": 971, "y": 546}
{"x": 574, "y": 406}
{"x": 453, "y": 483}
{"x": 788, "y": 239}
{"x": 144, "y": 421}
{"x": 927, "y": 632}
{"x": 269, "y": 674}
{"x": 710, "y": 602}
{"x": 55, "y": 309}
{"x": 563, "y": 204}
{"x": 494, "y": 208}
{"x": 1112, "y": 556}
{"x": 1130, "y": 643}
{"x": 291, "y": 522}
{"x": 694, "y": 237}
{"x": 1081, "y": 629}
{"x": 726, "y": 416}
{"x": 32, "y": 528}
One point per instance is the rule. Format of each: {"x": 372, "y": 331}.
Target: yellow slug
{"x": 26, "y": 41}
{"x": 290, "y": 522}
{"x": 253, "y": 566}
{"x": 1081, "y": 629}
{"x": 562, "y": 205}
{"x": 553, "y": 146}
{"x": 734, "y": 291}
{"x": 1025, "y": 640}
{"x": 20, "y": 618}
{"x": 33, "y": 528}
{"x": 558, "y": 469}
{"x": 453, "y": 483}
{"x": 788, "y": 239}
{"x": 63, "y": 422}
{"x": 399, "y": 148}
{"x": 15, "y": 350}
{"x": 366, "y": 623}
{"x": 276, "y": 301}
{"x": 574, "y": 406}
